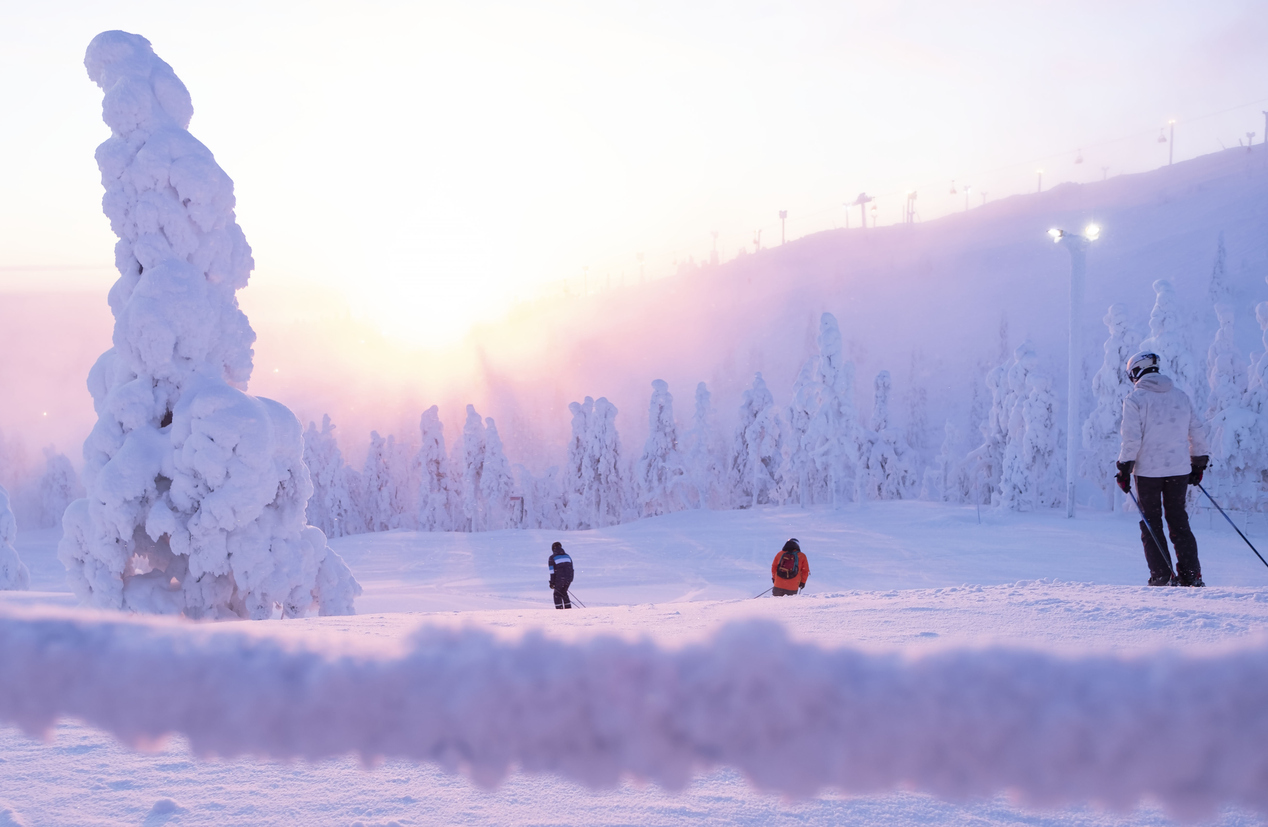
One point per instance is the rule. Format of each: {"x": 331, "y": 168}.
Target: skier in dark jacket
{"x": 1164, "y": 447}
{"x": 560, "y": 566}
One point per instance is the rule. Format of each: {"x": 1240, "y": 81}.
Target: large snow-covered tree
{"x": 435, "y": 485}
{"x": 1015, "y": 485}
{"x": 834, "y": 430}
{"x": 704, "y": 454}
{"x": 1110, "y": 387}
{"x": 497, "y": 485}
{"x": 196, "y": 491}
{"x": 660, "y": 474}
{"x": 14, "y": 575}
{"x": 757, "y": 451}
{"x": 594, "y": 487}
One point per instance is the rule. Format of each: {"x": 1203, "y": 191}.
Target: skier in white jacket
{"x": 1164, "y": 446}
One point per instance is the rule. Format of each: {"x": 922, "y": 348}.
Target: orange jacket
{"x": 803, "y": 572}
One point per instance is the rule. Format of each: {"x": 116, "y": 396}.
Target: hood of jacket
{"x": 1155, "y": 382}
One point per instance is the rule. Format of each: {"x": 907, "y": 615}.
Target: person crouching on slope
{"x": 790, "y": 570}
{"x": 560, "y": 566}
{"x": 1164, "y": 446}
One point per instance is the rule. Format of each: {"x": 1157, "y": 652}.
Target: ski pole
{"x": 759, "y": 595}
{"x": 1161, "y": 548}
{"x": 575, "y": 600}
{"x": 1234, "y": 525}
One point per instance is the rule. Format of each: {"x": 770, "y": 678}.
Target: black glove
{"x": 551, "y": 584}
{"x": 1198, "y": 465}
{"x": 1124, "y": 475}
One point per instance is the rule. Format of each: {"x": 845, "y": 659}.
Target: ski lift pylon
{"x": 1162, "y": 136}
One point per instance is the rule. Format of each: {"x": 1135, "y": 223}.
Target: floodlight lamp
{"x": 1092, "y": 232}
{"x": 1056, "y": 234}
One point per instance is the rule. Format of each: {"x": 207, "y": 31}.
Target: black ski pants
{"x": 1165, "y": 495}
{"x": 778, "y": 592}
{"x": 561, "y": 598}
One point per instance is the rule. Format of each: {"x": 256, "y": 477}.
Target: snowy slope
{"x": 907, "y": 579}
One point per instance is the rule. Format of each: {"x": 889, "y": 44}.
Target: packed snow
{"x": 933, "y": 659}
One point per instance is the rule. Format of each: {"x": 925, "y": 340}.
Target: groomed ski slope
{"x": 914, "y": 593}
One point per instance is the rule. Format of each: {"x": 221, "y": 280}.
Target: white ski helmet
{"x": 1142, "y": 363}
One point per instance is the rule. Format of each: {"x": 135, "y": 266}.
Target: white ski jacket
{"x": 1160, "y": 429}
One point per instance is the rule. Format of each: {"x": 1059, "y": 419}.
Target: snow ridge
{"x": 1186, "y": 730}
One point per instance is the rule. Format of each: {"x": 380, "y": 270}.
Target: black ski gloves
{"x": 1197, "y": 466}
{"x": 1124, "y": 475}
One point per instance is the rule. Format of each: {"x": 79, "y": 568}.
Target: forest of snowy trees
{"x": 819, "y": 447}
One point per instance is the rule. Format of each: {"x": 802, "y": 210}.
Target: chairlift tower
{"x": 1039, "y": 186}
{"x": 909, "y": 209}
{"x": 1250, "y": 139}
{"x": 861, "y": 202}
{"x": 1171, "y": 144}
{"x": 783, "y": 217}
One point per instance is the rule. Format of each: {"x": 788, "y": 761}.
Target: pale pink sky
{"x": 412, "y": 168}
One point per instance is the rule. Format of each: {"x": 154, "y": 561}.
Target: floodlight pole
{"x": 1076, "y": 246}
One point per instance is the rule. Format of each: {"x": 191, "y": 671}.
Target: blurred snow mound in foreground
{"x": 1184, "y": 729}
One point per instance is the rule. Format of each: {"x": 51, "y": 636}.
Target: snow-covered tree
{"x": 1015, "y": 474}
{"x": 331, "y": 507}
{"x": 14, "y": 575}
{"x": 473, "y": 506}
{"x": 196, "y": 491}
{"x": 1169, "y": 338}
{"x": 390, "y": 484}
{"x": 661, "y": 473}
{"x": 757, "y": 453}
{"x": 802, "y": 479}
{"x": 1044, "y": 470}
{"x": 58, "y": 487}
{"x": 984, "y": 466}
{"x": 594, "y": 487}
{"x": 834, "y": 431}
{"x": 543, "y": 501}
{"x": 497, "y": 486}
{"x": 887, "y": 470}
{"x": 609, "y": 502}
{"x": 1110, "y": 386}
{"x": 1219, "y": 291}
{"x": 1233, "y": 431}
{"x": 942, "y": 481}
{"x": 703, "y": 454}
{"x": 435, "y": 487}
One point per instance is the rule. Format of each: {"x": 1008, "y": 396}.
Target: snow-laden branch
{"x": 1187, "y": 730}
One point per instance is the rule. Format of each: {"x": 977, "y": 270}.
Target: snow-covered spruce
{"x": 1232, "y": 424}
{"x": 331, "y": 507}
{"x": 757, "y": 451}
{"x": 1169, "y": 337}
{"x": 58, "y": 487}
{"x": 593, "y": 485}
{"x": 1110, "y": 387}
{"x": 497, "y": 485}
{"x": 704, "y": 454}
{"x": 1185, "y": 729}
{"x": 660, "y": 473}
{"x": 14, "y": 575}
{"x": 887, "y": 468}
{"x": 195, "y": 491}
{"x": 435, "y": 486}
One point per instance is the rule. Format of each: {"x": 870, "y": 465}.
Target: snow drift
{"x": 195, "y": 490}
{"x": 1184, "y": 729}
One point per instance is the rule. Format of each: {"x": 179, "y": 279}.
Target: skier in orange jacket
{"x": 790, "y": 570}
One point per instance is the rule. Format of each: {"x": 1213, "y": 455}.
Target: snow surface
{"x": 934, "y": 660}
